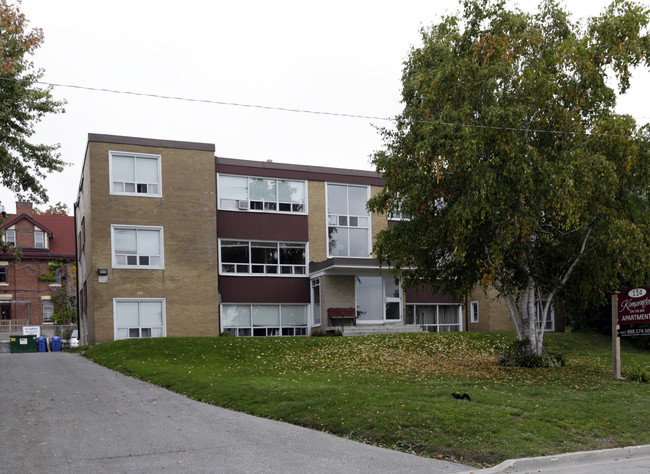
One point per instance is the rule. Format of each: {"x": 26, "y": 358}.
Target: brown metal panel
{"x": 291, "y": 171}
{"x": 122, "y": 140}
{"x": 423, "y": 294}
{"x": 264, "y": 290}
{"x": 262, "y": 226}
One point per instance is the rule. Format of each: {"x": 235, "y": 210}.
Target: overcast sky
{"x": 337, "y": 56}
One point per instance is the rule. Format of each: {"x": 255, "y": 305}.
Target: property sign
{"x": 634, "y": 306}
{"x": 31, "y": 330}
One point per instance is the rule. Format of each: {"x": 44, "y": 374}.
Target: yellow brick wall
{"x": 493, "y": 314}
{"x": 187, "y": 213}
{"x": 317, "y": 221}
{"x": 336, "y": 292}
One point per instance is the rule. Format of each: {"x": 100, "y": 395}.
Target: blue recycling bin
{"x": 56, "y": 344}
{"x": 42, "y": 344}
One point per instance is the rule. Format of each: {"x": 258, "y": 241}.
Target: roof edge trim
{"x": 153, "y": 142}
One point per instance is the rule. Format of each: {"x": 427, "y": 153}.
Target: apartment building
{"x": 174, "y": 241}
{"x": 44, "y": 267}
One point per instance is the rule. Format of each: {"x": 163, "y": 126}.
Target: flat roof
{"x": 122, "y": 140}
{"x": 272, "y": 165}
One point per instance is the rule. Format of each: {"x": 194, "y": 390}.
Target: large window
{"x": 263, "y": 258}
{"x": 348, "y": 221}
{"x": 135, "y": 174}
{"x": 378, "y": 299}
{"x": 264, "y": 320}
{"x": 137, "y": 247}
{"x": 434, "y": 317}
{"x": 245, "y": 193}
{"x": 135, "y": 318}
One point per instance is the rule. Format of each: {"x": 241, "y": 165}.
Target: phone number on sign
{"x": 634, "y": 332}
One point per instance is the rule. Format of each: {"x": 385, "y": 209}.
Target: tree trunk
{"x": 524, "y": 317}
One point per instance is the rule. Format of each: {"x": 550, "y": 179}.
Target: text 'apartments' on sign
{"x": 634, "y": 306}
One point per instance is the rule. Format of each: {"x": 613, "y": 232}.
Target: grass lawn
{"x": 395, "y": 390}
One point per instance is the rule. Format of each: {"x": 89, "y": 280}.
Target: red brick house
{"x": 28, "y": 283}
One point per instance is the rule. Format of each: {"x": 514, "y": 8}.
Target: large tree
{"x": 23, "y": 103}
{"x": 510, "y": 161}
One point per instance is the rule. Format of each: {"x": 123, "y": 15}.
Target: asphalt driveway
{"x": 62, "y": 413}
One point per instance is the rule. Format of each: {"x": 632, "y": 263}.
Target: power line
{"x": 317, "y": 112}
{"x": 208, "y": 101}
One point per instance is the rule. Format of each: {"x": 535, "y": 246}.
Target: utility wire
{"x": 316, "y": 112}
{"x": 208, "y": 101}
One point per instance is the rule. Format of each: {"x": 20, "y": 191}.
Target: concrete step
{"x": 362, "y": 330}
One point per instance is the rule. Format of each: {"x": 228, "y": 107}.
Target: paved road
{"x": 62, "y": 413}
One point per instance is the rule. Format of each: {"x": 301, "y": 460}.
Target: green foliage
{"x": 51, "y": 273}
{"x": 15, "y": 252}
{"x": 511, "y": 162}
{"x": 226, "y": 334}
{"x": 23, "y": 104}
{"x": 394, "y": 390}
{"x": 58, "y": 209}
{"x": 63, "y": 299}
{"x": 517, "y": 355}
{"x": 638, "y": 373}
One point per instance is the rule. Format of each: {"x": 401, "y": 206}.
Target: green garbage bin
{"x": 23, "y": 343}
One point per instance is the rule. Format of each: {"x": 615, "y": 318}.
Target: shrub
{"x": 638, "y": 373}
{"x": 515, "y": 356}
{"x": 320, "y": 332}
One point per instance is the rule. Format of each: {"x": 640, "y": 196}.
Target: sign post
{"x": 616, "y": 341}
{"x": 630, "y": 307}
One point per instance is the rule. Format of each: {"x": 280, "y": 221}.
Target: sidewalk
{"x": 634, "y": 459}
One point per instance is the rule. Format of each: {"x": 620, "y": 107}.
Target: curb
{"x": 535, "y": 464}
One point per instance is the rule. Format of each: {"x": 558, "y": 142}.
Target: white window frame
{"x": 550, "y": 316}
{"x": 384, "y": 301}
{"x": 50, "y": 305}
{"x": 244, "y": 205}
{"x": 135, "y": 156}
{"x": 473, "y": 311}
{"x": 12, "y": 240}
{"x": 279, "y": 265}
{"x": 436, "y": 327}
{"x": 40, "y": 241}
{"x": 116, "y": 301}
{"x": 329, "y": 216}
{"x": 160, "y": 266}
{"x": 254, "y": 330}
{"x": 396, "y": 213}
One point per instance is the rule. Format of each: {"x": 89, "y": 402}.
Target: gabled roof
{"x": 29, "y": 218}
{"x": 60, "y": 230}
